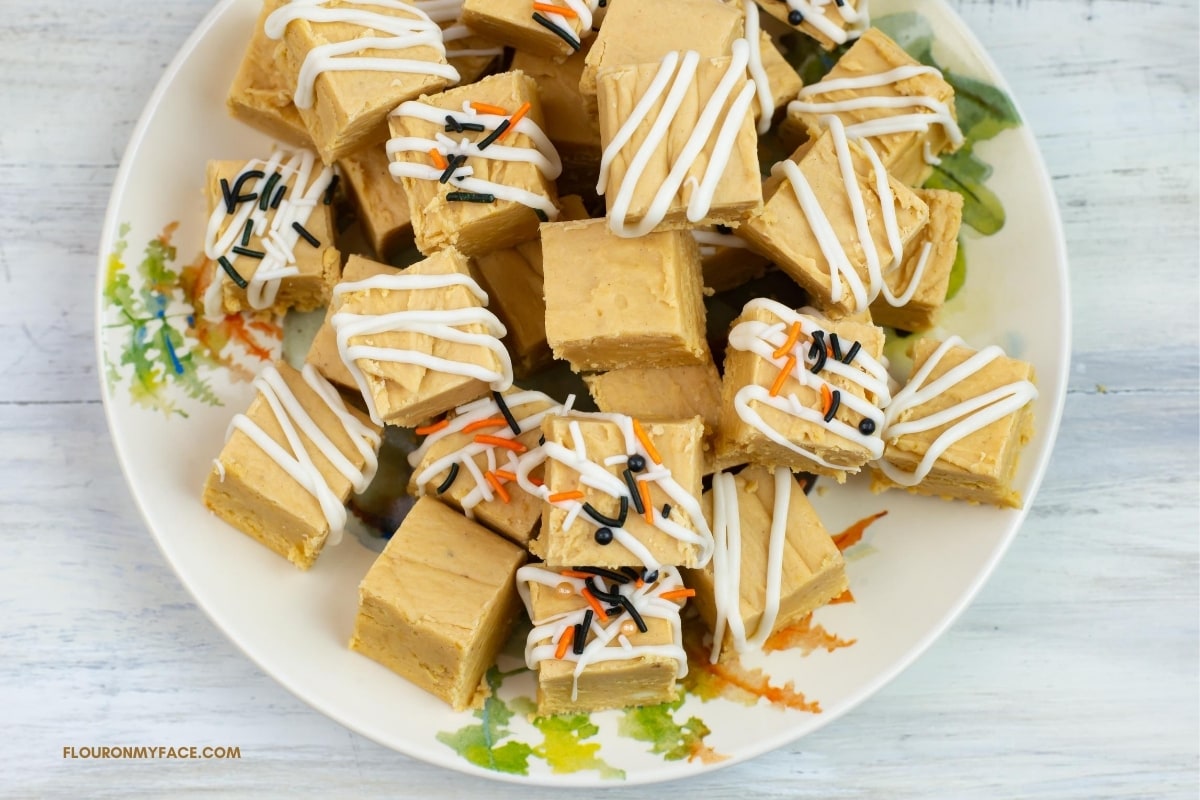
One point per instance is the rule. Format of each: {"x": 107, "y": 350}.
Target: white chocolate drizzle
{"x": 273, "y": 225}
{"x": 815, "y": 12}
{"x": 293, "y": 419}
{"x": 380, "y": 32}
{"x": 968, "y": 416}
{"x": 711, "y": 241}
{"x": 758, "y": 73}
{"x": 675, "y": 77}
{"x": 444, "y": 324}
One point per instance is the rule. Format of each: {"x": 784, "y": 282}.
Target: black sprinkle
{"x": 308, "y": 237}
{"x": 603, "y": 536}
{"x": 612, "y": 611}
{"x": 451, "y": 168}
{"x": 818, "y": 344}
{"x": 233, "y": 274}
{"x": 278, "y": 198}
{"x": 446, "y": 484}
{"x": 637, "y": 462}
{"x": 854, "y": 348}
{"x": 227, "y": 195}
{"x": 603, "y": 594}
{"x": 666, "y": 510}
{"x": 266, "y": 192}
{"x": 633, "y": 612}
{"x": 836, "y": 344}
{"x": 866, "y": 427}
{"x": 330, "y": 189}
{"x": 471, "y": 197}
{"x": 833, "y": 405}
{"x": 795, "y": 17}
{"x": 557, "y": 31}
{"x": 250, "y": 175}
{"x": 246, "y": 198}
{"x": 247, "y": 232}
{"x": 820, "y": 362}
{"x": 474, "y": 127}
{"x": 601, "y": 572}
{"x": 508, "y": 415}
{"x": 587, "y": 620}
{"x": 638, "y": 506}
{"x": 577, "y": 643}
{"x": 619, "y": 522}
{"x": 541, "y": 215}
{"x": 453, "y": 125}
{"x": 248, "y": 253}
{"x": 631, "y": 572}
{"x": 494, "y": 135}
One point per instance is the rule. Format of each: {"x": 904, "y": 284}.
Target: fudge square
{"x": 810, "y": 572}
{"x": 924, "y": 275}
{"x": 620, "y": 493}
{"x": 590, "y": 655}
{"x": 957, "y": 428}
{"x": 260, "y": 260}
{"x": 259, "y": 95}
{"x": 323, "y": 352}
{"x": 469, "y": 462}
{"x": 258, "y": 482}
{"x": 350, "y": 64}
{"x": 829, "y": 23}
{"x": 492, "y": 197}
{"x": 613, "y": 302}
{"x": 817, "y": 242}
{"x": 911, "y": 122}
{"x": 801, "y": 391}
{"x": 530, "y": 29}
{"x": 669, "y": 164}
{"x": 420, "y": 341}
{"x": 439, "y": 602}
{"x": 379, "y": 199}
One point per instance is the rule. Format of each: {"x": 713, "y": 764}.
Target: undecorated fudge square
{"x": 782, "y": 232}
{"x": 941, "y": 235}
{"x": 813, "y": 571}
{"x": 613, "y": 302}
{"x": 679, "y": 446}
{"x": 349, "y": 108}
{"x": 406, "y": 392}
{"x": 255, "y": 494}
{"x": 439, "y": 602}
{"x": 474, "y": 228}
{"x": 259, "y": 95}
{"x": 379, "y": 199}
{"x": 832, "y": 30}
{"x": 512, "y": 22}
{"x": 740, "y": 442}
{"x": 904, "y": 152}
{"x": 736, "y": 192}
{"x": 318, "y": 266}
{"x": 978, "y": 467}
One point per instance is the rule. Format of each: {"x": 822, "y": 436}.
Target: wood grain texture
{"x": 1073, "y": 675}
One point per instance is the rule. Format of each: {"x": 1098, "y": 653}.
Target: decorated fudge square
{"x": 514, "y": 283}
{"x": 613, "y": 302}
{"x": 398, "y": 54}
{"x": 918, "y": 286}
{"x": 439, "y": 602}
{"x": 801, "y": 391}
{"x": 957, "y": 428}
{"x": 261, "y": 260}
{"x": 259, "y": 95}
{"x": 669, "y": 164}
{"x": 602, "y": 640}
{"x": 773, "y": 515}
{"x": 292, "y": 499}
{"x": 487, "y": 194}
{"x": 469, "y": 461}
{"x": 830, "y": 23}
{"x": 910, "y": 123}
{"x": 666, "y": 394}
{"x": 419, "y": 341}
{"x": 608, "y": 481}
{"x": 817, "y": 240}
{"x": 726, "y": 260}
{"x": 379, "y": 199}
{"x": 532, "y": 29}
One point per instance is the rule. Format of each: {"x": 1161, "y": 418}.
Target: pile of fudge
{"x": 566, "y": 181}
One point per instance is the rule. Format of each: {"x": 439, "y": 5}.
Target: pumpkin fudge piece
{"x": 379, "y": 199}
{"x": 469, "y": 462}
{"x": 915, "y": 291}
{"x": 514, "y": 283}
{"x": 829, "y": 234}
{"x": 829, "y": 23}
{"x": 420, "y": 341}
{"x": 905, "y": 109}
{"x": 788, "y": 564}
{"x": 349, "y": 64}
{"x": 259, "y": 95}
{"x": 801, "y": 391}
{"x": 603, "y": 640}
{"x": 726, "y": 260}
{"x": 439, "y": 603}
{"x": 290, "y": 462}
{"x": 613, "y": 302}
{"x": 270, "y": 234}
{"x": 957, "y": 428}
{"x": 621, "y": 493}
{"x": 517, "y": 24}
{"x": 680, "y": 147}
{"x": 669, "y": 393}
{"x": 484, "y": 187}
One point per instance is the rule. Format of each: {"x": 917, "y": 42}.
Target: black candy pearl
{"x": 866, "y": 427}
{"x": 795, "y": 17}
{"x": 637, "y": 463}
{"x": 603, "y": 536}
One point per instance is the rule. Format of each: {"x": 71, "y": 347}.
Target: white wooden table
{"x": 1073, "y": 675}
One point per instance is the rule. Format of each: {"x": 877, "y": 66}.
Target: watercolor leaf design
{"x": 673, "y": 740}
{"x": 564, "y": 747}
{"x": 483, "y": 743}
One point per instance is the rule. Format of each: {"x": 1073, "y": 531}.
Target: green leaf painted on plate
{"x": 483, "y": 743}
{"x": 983, "y": 110}
{"x": 673, "y": 740}
{"x": 564, "y": 747}
{"x": 965, "y": 173}
{"x": 958, "y": 273}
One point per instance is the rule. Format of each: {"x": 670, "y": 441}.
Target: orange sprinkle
{"x": 570, "y": 573}
{"x": 647, "y": 506}
{"x": 499, "y": 441}
{"x": 826, "y": 398}
{"x": 646, "y": 443}
{"x": 550, "y": 8}
{"x": 595, "y": 604}
{"x": 480, "y": 424}
{"x": 439, "y": 160}
{"x": 536, "y": 481}
{"x": 425, "y": 430}
{"x": 792, "y": 337}
{"x": 782, "y": 377}
{"x": 504, "y": 475}
{"x": 500, "y": 490}
{"x": 513, "y": 120}
{"x": 488, "y": 108}
{"x": 558, "y": 497}
{"x": 564, "y": 641}
{"x": 674, "y": 593}
{"x": 639, "y": 583}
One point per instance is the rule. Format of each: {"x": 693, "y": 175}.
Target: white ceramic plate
{"x": 168, "y": 406}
